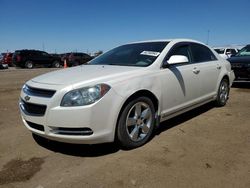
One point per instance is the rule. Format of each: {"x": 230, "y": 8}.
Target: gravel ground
{"x": 206, "y": 147}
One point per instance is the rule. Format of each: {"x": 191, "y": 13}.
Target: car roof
{"x": 26, "y": 50}
{"x": 168, "y": 40}
{"x": 231, "y": 47}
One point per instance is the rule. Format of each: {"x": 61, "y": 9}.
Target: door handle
{"x": 196, "y": 71}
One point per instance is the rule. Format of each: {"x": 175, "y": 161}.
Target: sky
{"x": 91, "y": 25}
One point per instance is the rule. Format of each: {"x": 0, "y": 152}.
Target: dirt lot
{"x": 207, "y": 147}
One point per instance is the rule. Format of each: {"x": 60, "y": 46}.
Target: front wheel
{"x": 136, "y": 123}
{"x": 29, "y": 64}
{"x": 223, "y": 93}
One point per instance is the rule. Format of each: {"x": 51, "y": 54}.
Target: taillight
{"x": 18, "y": 58}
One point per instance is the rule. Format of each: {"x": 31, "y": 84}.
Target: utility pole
{"x": 43, "y": 46}
{"x": 208, "y": 32}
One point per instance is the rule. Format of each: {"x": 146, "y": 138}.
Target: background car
{"x": 30, "y": 58}
{"x": 7, "y": 59}
{"x": 226, "y": 52}
{"x": 240, "y": 63}
{"x": 76, "y": 58}
{"x": 3, "y": 65}
{"x": 1, "y": 57}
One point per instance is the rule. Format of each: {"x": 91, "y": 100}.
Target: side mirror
{"x": 175, "y": 59}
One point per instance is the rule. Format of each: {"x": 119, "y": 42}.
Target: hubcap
{"x": 29, "y": 65}
{"x": 139, "y": 121}
{"x": 223, "y": 92}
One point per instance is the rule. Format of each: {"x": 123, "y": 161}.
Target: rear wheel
{"x": 223, "y": 93}
{"x": 29, "y": 64}
{"x": 56, "y": 64}
{"x": 136, "y": 123}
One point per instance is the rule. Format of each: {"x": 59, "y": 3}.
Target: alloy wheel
{"x": 223, "y": 92}
{"x": 139, "y": 121}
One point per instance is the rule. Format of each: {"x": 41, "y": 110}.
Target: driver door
{"x": 180, "y": 82}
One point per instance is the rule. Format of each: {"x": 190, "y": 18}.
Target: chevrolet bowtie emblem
{"x": 27, "y": 97}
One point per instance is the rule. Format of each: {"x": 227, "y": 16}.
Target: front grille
{"x": 33, "y": 109}
{"x": 236, "y": 65}
{"x": 38, "y": 92}
{"x": 72, "y": 131}
{"x": 35, "y": 126}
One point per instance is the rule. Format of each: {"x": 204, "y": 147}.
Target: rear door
{"x": 45, "y": 58}
{"x": 34, "y": 56}
{"x": 209, "y": 69}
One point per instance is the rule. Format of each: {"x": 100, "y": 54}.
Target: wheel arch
{"x": 226, "y": 77}
{"x": 140, "y": 93}
{"x": 220, "y": 79}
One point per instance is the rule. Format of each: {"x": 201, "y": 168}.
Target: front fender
{"x": 128, "y": 87}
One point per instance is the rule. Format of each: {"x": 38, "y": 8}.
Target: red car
{"x": 7, "y": 59}
{"x": 76, "y": 58}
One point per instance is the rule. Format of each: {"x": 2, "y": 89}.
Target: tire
{"x": 29, "y": 64}
{"x": 56, "y": 64}
{"x": 223, "y": 93}
{"x": 136, "y": 123}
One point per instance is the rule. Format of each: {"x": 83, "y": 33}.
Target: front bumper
{"x": 89, "y": 124}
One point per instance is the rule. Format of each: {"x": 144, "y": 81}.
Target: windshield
{"x": 244, "y": 51}
{"x": 139, "y": 54}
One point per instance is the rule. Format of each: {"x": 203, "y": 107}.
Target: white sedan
{"x": 126, "y": 92}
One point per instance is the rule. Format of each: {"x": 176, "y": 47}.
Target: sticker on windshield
{"x": 150, "y": 53}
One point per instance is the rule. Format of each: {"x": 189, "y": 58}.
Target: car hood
{"x": 84, "y": 73}
{"x": 239, "y": 59}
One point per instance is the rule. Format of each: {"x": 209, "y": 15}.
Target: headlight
{"x": 85, "y": 96}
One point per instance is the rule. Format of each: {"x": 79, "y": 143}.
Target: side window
{"x": 201, "y": 53}
{"x": 233, "y": 51}
{"x": 181, "y": 50}
{"x": 86, "y": 56}
{"x": 35, "y": 53}
{"x": 219, "y": 51}
{"x": 43, "y": 53}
